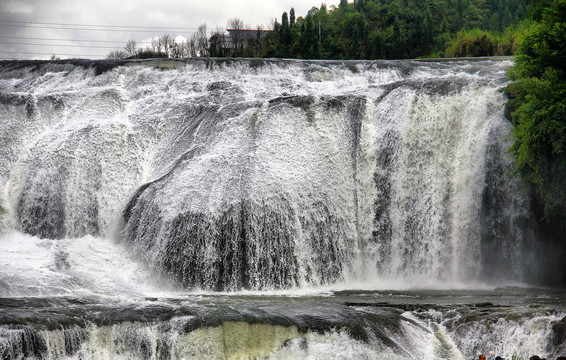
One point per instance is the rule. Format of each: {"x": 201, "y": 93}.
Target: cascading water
{"x": 130, "y": 180}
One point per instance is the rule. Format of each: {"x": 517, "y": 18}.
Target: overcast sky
{"x": 32, "y": 29}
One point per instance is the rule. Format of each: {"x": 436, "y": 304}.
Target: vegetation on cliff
{"x": 539, "y": 103}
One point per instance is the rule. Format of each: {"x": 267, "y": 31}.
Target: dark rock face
{"x": 559, "y": 330}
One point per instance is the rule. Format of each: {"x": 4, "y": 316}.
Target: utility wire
{"x": 89, "y": 29}
{"x": 71, "y": 40}
{"x": 39, "y": 53}
{"x": 80, "y": 27}
{"x": 73, "y": 46}
{"x": 93, "y": 25}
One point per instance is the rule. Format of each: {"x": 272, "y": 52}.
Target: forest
{"x": 399, "y": 29}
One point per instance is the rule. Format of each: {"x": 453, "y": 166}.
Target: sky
{"x": 37, "y": 29}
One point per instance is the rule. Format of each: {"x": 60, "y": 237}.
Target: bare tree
{"x": 163, "y": 45}
{"x": 131, "y": 48}
{"x": 167, "y": 43}
{"x": 201, "y": 40}
{"x": 192, "y": 46}
{"x": 117, "y": 54}
{"x": 236, "y": 36}
{"x": 156, "y": 45}
{"x": 236, "y": 24}
{"x": 185, "y": 48}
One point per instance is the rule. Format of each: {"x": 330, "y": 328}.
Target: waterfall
{"x": 219, "y": 208}
{"x": 269, "y": 174}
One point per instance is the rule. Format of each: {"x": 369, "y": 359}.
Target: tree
{"x": 285, "y": 37}
{"x": 201, "y": 40}
{"x": 473, "y": 17}
{"x": 217, "y": 43}
{"x": 292, "y": 17}
{"x": 131, "y": 48}
{"x": 157, "y": 46}
{"x": 236, "y": 37}
{"x": 190, "y": 48}
{"x": 360, "y": 5}
{"x": 117, "y": 54}
{"x": 308, "y": 40}
{"x": 259, "y": 44}
{"x": 166, "y": 43}
{"x": 285, "y": 20}
{"x": 472, "y": 43}
{"x": 539, "y": 117}
{"x": 459, "y": 14}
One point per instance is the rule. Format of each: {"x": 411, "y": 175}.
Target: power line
{"x": 71, "y": 40}
{"x": 149, "y": 30}
{"x": 83, "y": 29}
{"x": 72, "y": 43}
{"x": 100, "y": 25}
{"x": 73, "y": 46}
{"x": 39, "y": 53}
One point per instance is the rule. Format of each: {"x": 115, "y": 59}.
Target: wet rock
{"x": 403, "y": 307}
{"x": 484, "y": 304}
{"x": 559, "y": 330}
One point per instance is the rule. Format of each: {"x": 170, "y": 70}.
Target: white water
{"x": 286, "y": 179}
{"x": 348, "y": 172}
{"x": 367, "y": 164}
{"x": 30, "y": 266}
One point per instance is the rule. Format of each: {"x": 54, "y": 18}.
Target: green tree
{"x": 540, "y": 117}
{"x": 360, "y": 5}
{"x": 284, "y": 36}
{"x": 292, "y": 17}
{"x": 472, "y": 43}
{"x": 473, "y": 17}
